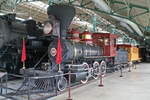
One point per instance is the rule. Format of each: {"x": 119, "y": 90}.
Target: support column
{"x": 94, "y": 23}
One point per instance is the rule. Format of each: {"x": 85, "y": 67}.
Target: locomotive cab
{"x": 107, "y": 41}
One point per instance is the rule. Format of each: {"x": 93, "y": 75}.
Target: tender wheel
{"x": 86, "y": 68}
{"x": 62, "y": 84}
{"x": 96, "y": 71}
{"x": 103, "y": 68}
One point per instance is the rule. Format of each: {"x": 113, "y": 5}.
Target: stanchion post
{"x": 130, "y": 64}
{"x": 121, "y": 71}
{"x": 69, "y": 89}
{"x": 101, "y": 81}
{"x": 129, "y": 70}
{"x": 135, "y": 66}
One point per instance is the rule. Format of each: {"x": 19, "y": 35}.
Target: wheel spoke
{"x": 96, "y": 70}
{"x": 86, "y": 68}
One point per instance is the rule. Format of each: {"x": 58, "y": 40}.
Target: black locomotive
{"x": 77, "y": 55}
{"x": 11, "y": 35}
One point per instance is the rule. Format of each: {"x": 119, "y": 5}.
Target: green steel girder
{"x": 139, "y": 14}
{"x": 114, "y": 14}
{"x": 83, "y": 16}
{"x": 148, "y": 28}
{"x": 6, "y": 4}
{"x": 99, "y": 21}
{"x": 138, "y": 6}
{"x": 118, "y": 10}
{"x": 94, "y": 23}
{"x": 3, "y": 2}
{"x": 131, "y": 6}
{"x": 113, "y": 30}
{"x": 85, "y": 6}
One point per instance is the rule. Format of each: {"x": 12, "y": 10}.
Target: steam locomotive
{"x": 11, "y": 35}
{"x": 85, "y": 60}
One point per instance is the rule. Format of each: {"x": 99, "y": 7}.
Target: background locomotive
{"x": 11, "y": 36}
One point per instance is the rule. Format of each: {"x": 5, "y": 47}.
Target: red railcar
{"x": 113, "y": 57}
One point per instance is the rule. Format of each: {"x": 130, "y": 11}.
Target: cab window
{"x": 106, "y": 41}
{"x": 100, "y": 39}
{"x": 113, "y": 42}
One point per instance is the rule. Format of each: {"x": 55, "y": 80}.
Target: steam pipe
{"x": 126, "y": 26}
{"x": 104, "y": 7}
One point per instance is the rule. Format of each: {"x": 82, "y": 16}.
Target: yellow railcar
{"x": 133, "y": 52}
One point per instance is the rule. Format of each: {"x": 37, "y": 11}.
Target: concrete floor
{"x": 134, "y": 85}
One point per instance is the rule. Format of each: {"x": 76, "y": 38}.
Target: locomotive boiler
{"x": 72, "y": 52}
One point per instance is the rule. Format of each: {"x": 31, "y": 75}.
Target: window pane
{"x": 106, "y": 41}
{"x": 100, "y": 39}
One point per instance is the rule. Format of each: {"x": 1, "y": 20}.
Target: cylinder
{"x": 78, "y": 76}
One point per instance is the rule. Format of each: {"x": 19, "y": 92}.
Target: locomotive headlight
{"x": 47, "y": 28}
